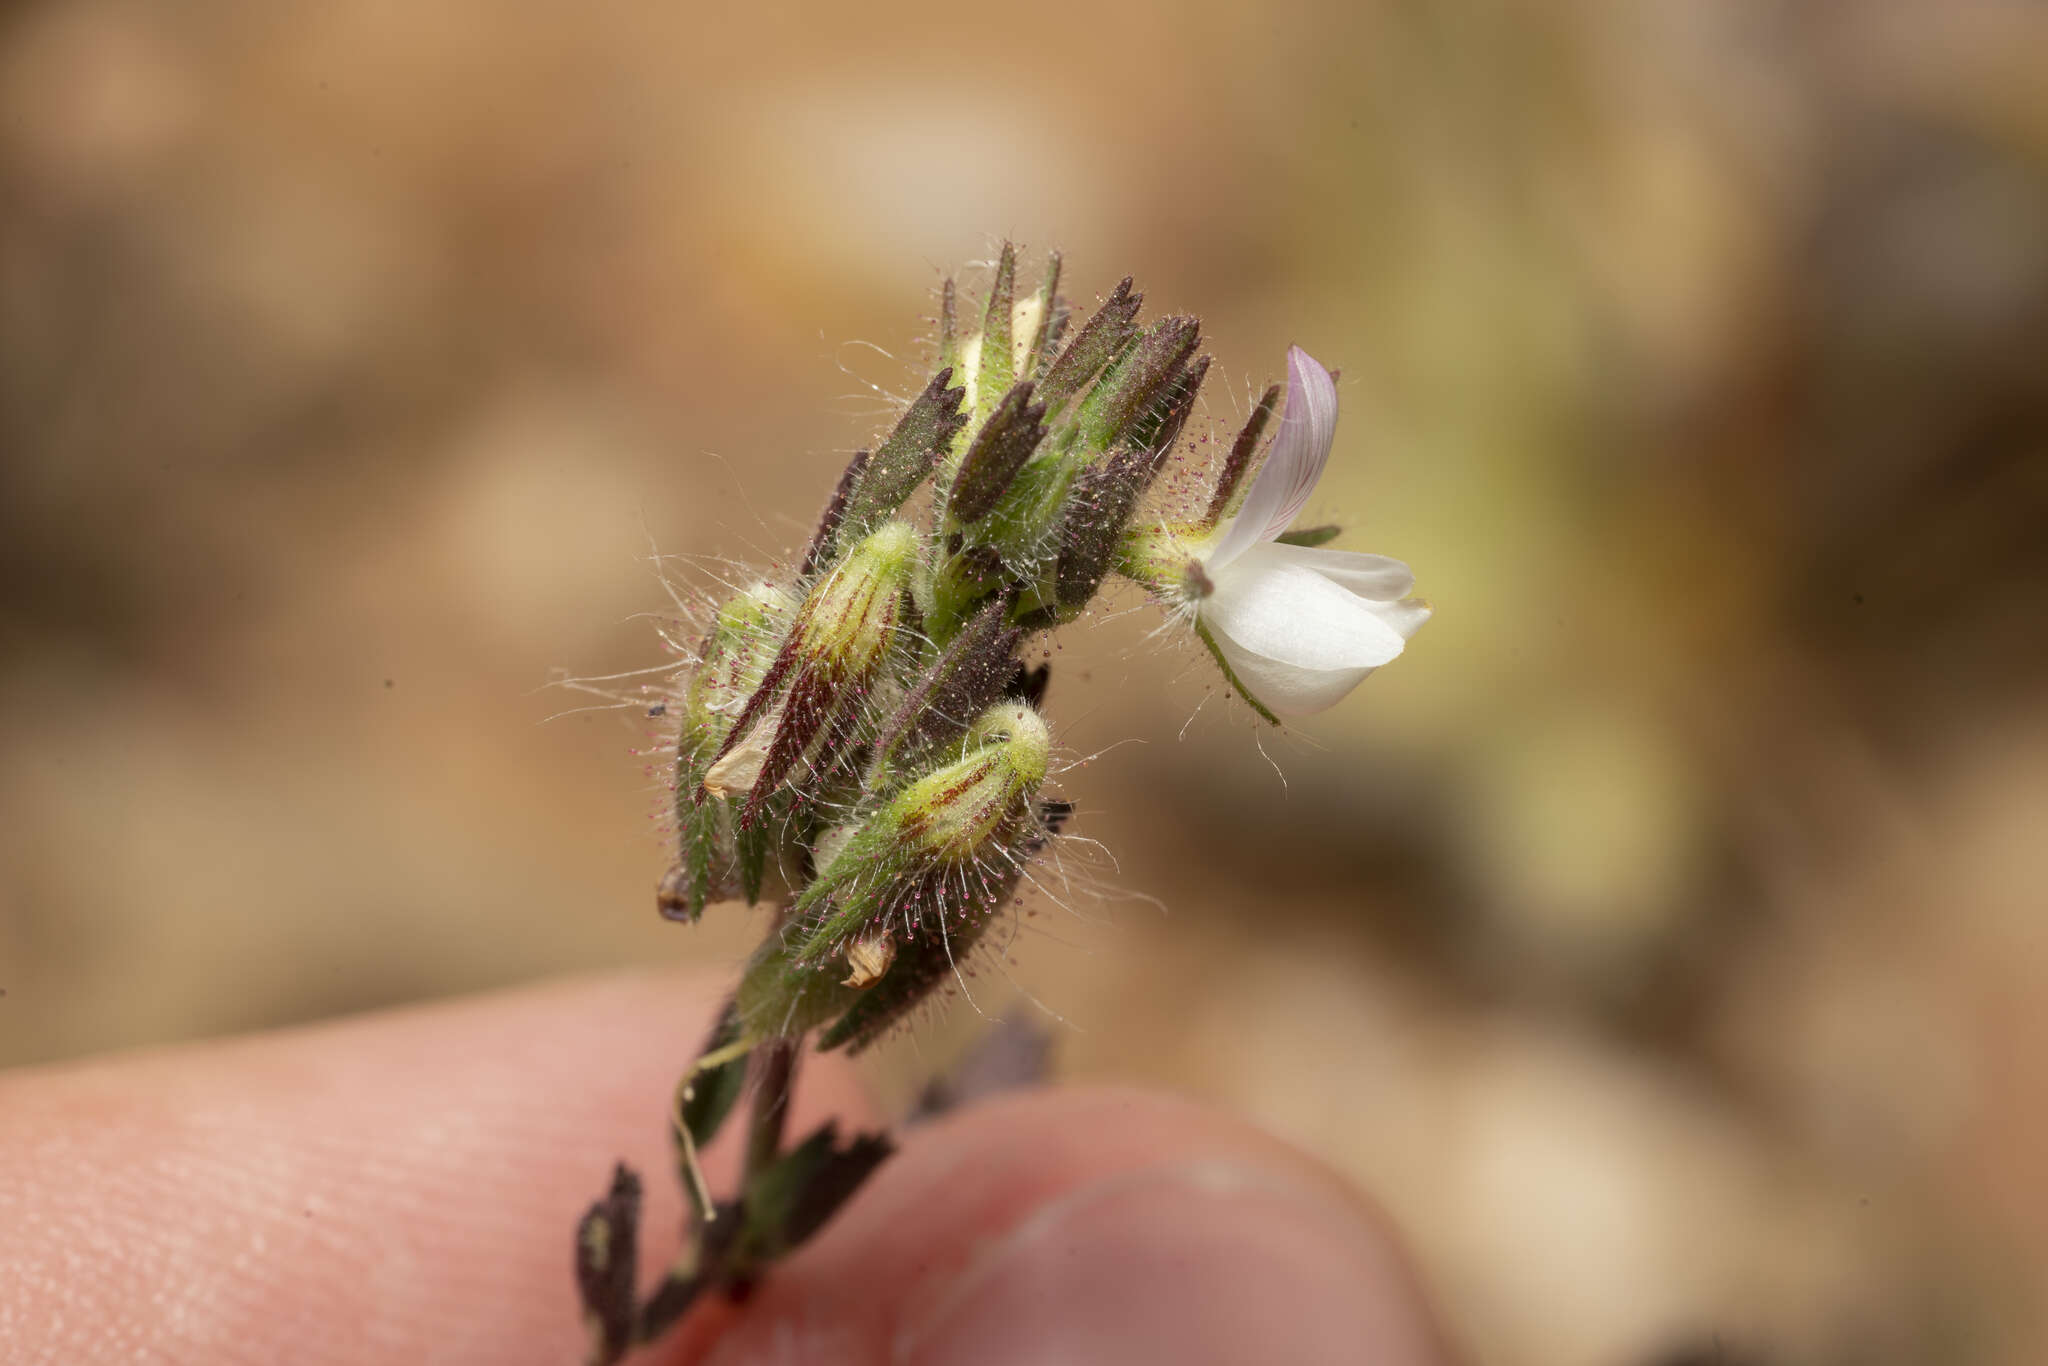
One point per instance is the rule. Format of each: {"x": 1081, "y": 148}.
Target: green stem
{"x": 774, "y": 1078}
{"x": 773, "y": 1069}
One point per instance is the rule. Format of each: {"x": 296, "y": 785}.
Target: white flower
{"x": 1297, "y": 627}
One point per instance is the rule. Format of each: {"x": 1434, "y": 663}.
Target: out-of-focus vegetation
{"x": 1662, "y": 940}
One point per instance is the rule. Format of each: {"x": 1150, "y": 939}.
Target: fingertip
{"x": 1094, "y": 1225}
{"x": 402, "y": 1186}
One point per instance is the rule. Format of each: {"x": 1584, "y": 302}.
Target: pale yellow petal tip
{"x": 869, "y": 959}
{"x": 736, "y": 772}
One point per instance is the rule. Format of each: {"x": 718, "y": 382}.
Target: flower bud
{"x": 1040, "y": 320}
{"x": 813, "y": 690}
{"x": 741, "y": 644}
{"x": 966, "y": 678}
{"x": 710, "y": 862}
{"x": 874, "y": 487}
{"x": 950, "y": 813}
{"x": 851, "y": 617}
{"x": 930, "y": 844}
{"x": 997, "y": 366}
{"x": 1138, "y": 383}
{"x": 1100, "y": 340}
{"x": 936, "y": 953}
{"x": 998, "y": 451}
{"x": 1108, "y": 492}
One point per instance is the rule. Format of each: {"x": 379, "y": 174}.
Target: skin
{"x": 402, "y": 1187}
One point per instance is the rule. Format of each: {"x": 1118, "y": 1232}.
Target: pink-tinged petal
{"x": 1379, "y": 577}
{"x": 1308, "y": 424}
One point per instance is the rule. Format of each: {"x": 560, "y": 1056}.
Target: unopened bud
{"x": 969, "y": 675}
{"x": 1039, "y": 321}
{"x": 1100, "y": 339}
{"x": 913, "y": 857}
{"x": 997, "y": 366}
{"x": 744, "y": 636}
{"x": 851, "y": 618}
{"x": 937, "y": 953}
{"x": 832, "y": 843}
{"x": 952, "y": 812}
{"x": 901, "y": 463}
{"x": 1141, "y": 380}
{"x": 998, "y": 451}
{"x": 814, "y": 688}
{"x": 743, "y": 639}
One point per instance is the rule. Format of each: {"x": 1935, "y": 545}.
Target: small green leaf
{"x": 792, "y": 1198}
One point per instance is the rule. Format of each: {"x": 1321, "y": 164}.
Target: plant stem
{"x": 774, "y": 1075}
{"x": 774, "y": 1081}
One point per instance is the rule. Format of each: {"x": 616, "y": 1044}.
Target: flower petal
{"x": 1283, "y": 690}
{"x": 1405, "y": 616}
{"x": 1379, "y": 577}
{"x": 1290, "y": 613}
{"x": 1308, "y": 423}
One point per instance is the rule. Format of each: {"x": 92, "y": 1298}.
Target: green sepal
{"x": 692, "y": 882}
{"x": 1310, "y": 536}
{"x": 1021, "y": 525}
{"x": 1230, "y": 675}
{"x": 1099, "y": 341}
{"x": 1239, "y": 460}
{"x": 750, "y": 849}
{"x": 1050, "y": 320}
{"x": 997, "y": 367}
{"x": 1012, "y": 432}
{"x": 926, "y": 431}
{"x": 782, "y": 997}
{"x": 1140, "y": 380}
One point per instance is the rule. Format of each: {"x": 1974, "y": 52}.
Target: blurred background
{"x": 1662, "y": 940}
